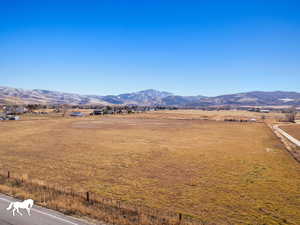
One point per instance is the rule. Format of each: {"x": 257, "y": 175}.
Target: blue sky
{"x": 185, "y": 47}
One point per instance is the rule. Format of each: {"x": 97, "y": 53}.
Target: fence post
{"x": 8, "y": 174}
{"x": 180, "y": 218}
{"x": 87, "y": 196}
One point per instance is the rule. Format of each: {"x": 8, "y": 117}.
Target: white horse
{"x": 26, "y": 204}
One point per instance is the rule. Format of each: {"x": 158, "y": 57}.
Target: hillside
{"x": 148, "y": 97}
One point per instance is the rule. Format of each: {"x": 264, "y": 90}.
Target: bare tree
{"x": 65, "y": 108}
{"x": 291, "y": 115}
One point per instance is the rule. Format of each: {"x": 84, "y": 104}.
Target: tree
{"x": 65, "y": 108}
{"x": 32, "y": 107}
{"x": 291, "y": 115}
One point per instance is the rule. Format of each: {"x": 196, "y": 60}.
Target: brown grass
{"x": 107, "y": 210}
{"x": 223, "y": 173}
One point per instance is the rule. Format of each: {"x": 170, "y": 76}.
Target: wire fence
{"x": 109, "y": 210}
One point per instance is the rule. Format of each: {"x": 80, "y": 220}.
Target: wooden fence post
{"x": 180, "y": 217}
{"x": 87, "y": 196}
{"x": 8, "y": 174}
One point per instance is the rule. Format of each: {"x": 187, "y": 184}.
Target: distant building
{"x": 13, "y": 118}
{"x": 264, "y": 111}
{"x": 8, "y": 117}
{"x": 110, "y": 111}
{"x": 97, "y": 112}
{"x": 254, "y": 110}
{"x": 79, "y": 114}
{"x": 14, "y": 110}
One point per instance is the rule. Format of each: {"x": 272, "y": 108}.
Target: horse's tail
{"x": 10, "y": 206}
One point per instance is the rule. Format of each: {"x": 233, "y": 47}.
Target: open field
{"x": 293, "y": 130}
{"x": 221, "y": 172}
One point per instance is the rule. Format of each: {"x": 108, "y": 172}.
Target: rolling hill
{"x": 148, "y": 97}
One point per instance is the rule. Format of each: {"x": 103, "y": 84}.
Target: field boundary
{"x": 288, "y": 136}
{"x": 92, "y": 205}
{"x": 290, "y": 146}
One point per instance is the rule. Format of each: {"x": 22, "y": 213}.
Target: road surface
{"x": 289, "y": 137}
{"x": 39, "y": 215}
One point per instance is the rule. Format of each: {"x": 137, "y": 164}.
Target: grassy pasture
{"x": 221, "y": 172}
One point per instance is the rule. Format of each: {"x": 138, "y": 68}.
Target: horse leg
{"x": 19, "y": 212}
{"x": 28, "y": 211}
{"x": 14, "y": 211}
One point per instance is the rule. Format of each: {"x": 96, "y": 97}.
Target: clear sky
{"x": 185, "y": 47}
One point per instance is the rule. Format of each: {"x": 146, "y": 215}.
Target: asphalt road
{"x": 39, "y": 215}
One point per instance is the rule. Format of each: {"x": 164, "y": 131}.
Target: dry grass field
{"x": 221, "y": 172}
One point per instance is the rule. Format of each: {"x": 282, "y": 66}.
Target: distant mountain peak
{"x": 153, "y": 91}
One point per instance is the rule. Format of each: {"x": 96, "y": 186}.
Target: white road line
{"x": 38, "y": 211}
{"x": 67, "y": 221}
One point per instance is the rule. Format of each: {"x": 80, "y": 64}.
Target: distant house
{"x": 77, "y": 114}
{"x": 97, "y": 112}
{"x": 111, "y": 111}
{"x": 8, "y": 117}
{"x": 264, "y": 111}
{"x": 254, "y": 110}
{"x": 14, "y": 110}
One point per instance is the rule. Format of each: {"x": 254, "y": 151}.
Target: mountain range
{"x": 148, "y": 97}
